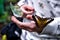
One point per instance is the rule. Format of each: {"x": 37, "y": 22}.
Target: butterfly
{"x": 41, "y": 22}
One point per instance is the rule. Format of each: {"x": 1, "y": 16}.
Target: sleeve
{"x": 53, "y": 28}
{"x": 21, "y": 2}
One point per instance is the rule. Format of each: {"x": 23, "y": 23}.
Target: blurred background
{"x": 5, "y": 12}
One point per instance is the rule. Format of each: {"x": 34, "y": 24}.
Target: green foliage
{"x": 13, "y": 1}
{"x": 5, "y": 10}
{"x": 4, "y": 18}
{"x": 1, "y": 7}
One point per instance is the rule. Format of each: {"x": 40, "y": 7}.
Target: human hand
{"x": 27, "y": 10}
{"x": 30, "y": 27}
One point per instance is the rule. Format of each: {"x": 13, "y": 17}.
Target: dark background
{"x": 5, "y": 12}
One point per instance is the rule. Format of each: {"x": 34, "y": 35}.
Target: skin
{"x": 27, "y": 11}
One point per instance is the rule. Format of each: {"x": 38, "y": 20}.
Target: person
{"x": 42, "y": 8}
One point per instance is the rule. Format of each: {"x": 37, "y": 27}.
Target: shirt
{"x": 43, "y": 8}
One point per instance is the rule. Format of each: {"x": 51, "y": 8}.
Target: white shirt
{"x": 43, "y": 8}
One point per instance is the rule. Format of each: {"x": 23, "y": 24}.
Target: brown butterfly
{"x": 41, "y": 22}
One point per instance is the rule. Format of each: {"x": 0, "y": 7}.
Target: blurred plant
{"x": 1, "y": 7}
{"x": 13, "y": 1}
{"x": 5, "y": 10}
{"x": 4, "y": 18}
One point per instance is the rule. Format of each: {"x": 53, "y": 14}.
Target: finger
{"x": 26, "y": 12}
{"x": 25, "y": 28}
{"x": 29, "y": 8}
{"x": 21, "y": 24}
{"x": 29, "y": 17}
